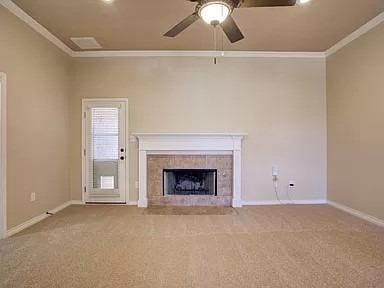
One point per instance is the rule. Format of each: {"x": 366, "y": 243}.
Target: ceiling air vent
{"x": 86, "y": 43}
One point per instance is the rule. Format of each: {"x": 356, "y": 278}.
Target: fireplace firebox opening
{"x": 189, "y": 182}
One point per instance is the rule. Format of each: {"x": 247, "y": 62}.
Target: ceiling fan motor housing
{"x": 202, "y": 4}
{"x": 231, "y": 4}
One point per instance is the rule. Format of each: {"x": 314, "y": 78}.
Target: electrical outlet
{"x": 275, "y": 171}
{"x": 291, "y": 184}
{"x": 275, "y": 174}
{"x": 33, "y": 197}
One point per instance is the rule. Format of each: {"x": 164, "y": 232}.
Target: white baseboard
{"x": 79, "y": 202}
{"x": 357, "y": 213}
{"x": 284, "y": 202}
{"x": 36, "y": 219}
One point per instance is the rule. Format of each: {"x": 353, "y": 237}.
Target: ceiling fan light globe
{"x": 214, "y": 12}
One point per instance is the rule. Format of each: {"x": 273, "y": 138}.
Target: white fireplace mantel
{"x": 189, "y": 143}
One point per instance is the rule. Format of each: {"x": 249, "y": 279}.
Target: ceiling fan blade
{"x": 265, "y": 3}
{"x": 182, "y": 25}
{"x": 231, "y": 30}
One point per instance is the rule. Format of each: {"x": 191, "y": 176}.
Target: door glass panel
{"x": 105, "y": 147}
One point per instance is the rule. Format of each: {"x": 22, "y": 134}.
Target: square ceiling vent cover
{"x": 86, "y": 43}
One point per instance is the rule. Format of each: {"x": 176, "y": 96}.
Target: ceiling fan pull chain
{"x": 222, "y": 44}
{"x": 215, "y": 42}
{"x": 215, "y": 37}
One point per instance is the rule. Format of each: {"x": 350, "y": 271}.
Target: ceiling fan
{"x": 218, "y": 13}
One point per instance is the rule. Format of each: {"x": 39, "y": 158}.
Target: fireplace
{"x": 189, "y": 182}
{"x": 193, "y": 151}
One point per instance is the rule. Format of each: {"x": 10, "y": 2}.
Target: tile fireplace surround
{"x": 190, "y": 151}
{"x": 157, "y": 163}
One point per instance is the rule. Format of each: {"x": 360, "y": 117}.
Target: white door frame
{"x": 3, "y": 158}
{"x": 85, "y": 102}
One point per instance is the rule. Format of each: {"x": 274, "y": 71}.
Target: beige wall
{"x": 279, "y": 102}
{"x": 37, "y": 120}
{"x": 355, "y": 94}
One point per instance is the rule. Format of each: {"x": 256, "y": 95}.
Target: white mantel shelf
{"x": 189, "y": 143}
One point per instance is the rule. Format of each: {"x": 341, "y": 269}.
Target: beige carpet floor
{"x": 117, "y": 246}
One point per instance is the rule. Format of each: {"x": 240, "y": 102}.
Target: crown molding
{"x": 356, "y": 34}
{"x": 18, "y": 12}
{"x": 183, "y": 53}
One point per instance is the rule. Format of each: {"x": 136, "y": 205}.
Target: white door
{"x": 105, "y": 151}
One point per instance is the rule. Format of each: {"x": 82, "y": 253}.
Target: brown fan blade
{"x": 182, "y": 25}
{"x": 265, "y": 3}
{"x": 231, "y": 29}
